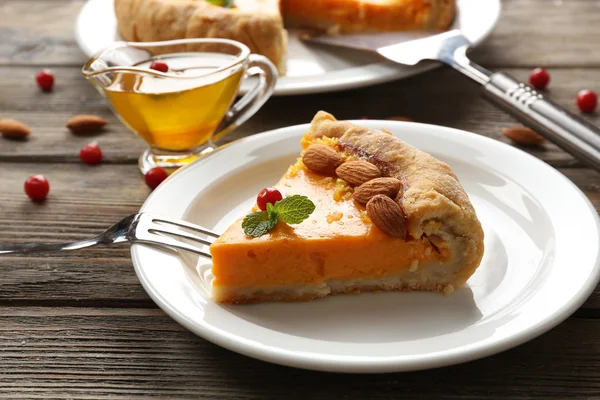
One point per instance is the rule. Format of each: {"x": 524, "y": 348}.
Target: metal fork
{"x": 144, "y": 228}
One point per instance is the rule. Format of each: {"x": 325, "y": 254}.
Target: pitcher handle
{"x": 250, "y": 103}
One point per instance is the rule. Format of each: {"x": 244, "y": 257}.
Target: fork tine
{"x": 173, "y": 243}
{"x": 183, "y": 224}
{"x": 165, "y": 231}
{"x": 180, "y": 234}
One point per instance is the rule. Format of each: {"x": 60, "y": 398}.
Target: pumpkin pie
{"x": 369, "y": 15}
{"x": 387, "y": 217}
{"x": 259, "y": 24}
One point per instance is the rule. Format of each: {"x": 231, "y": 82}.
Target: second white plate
{"x": 541, "y": 262}
{"x": 311, "y": 69}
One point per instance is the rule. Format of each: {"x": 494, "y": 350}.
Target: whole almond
{"x": 357, "y": 172}
{"x": 523, "y": 136}
{"x": 321, "y": 159}
{"x": 13, "y": 129}
{"x": 385, "y": 186}
{"x": 82, "y": 124}
{"x": 387, "y": 215}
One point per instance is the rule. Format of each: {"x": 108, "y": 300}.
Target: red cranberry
{"x": 587, "y": 100}
{"x": 45, "y": 80}
{"x": 539, "y": 78}
{"x": 155, "y": 177}
{"x": 90, "y": 154}
{"x": 37, "y": 187}
{"x": 268, "y": 195}
{"x": 159, "y": 66}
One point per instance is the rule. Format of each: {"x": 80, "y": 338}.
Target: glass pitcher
{"x": 182, "y": 112}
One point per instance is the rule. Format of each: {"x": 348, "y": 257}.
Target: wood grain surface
{"x": 109, "y": 353}
{"x": 79, "y": 325}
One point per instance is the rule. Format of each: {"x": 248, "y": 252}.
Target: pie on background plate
{"x": 259, "y": 24}
{"x": 310, "y": 68}
{"x": 387, "y": 217}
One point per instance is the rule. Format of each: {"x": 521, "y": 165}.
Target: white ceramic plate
{"x": 311, "y": 69}
{"x": 541, "y": 262}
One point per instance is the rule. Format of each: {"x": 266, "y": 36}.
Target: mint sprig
{"x": 291, "y": 210}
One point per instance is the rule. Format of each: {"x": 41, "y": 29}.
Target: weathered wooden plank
{"x": 139, "y": 353}
{"x": 440, "y": 97}
{"x": 552, "y": 33}
{"x": 51, "y": 141}
{"x": 558, "y": 33}
{"x": 83, "y": 202}
{"x": 39, "y": 32}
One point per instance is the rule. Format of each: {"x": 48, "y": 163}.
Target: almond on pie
{"x": 387, "y": 217}
{"x": 259, "y": 24}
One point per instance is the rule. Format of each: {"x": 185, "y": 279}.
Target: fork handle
{"x": 570, "y": 132}
{"x": 45, "y": 247}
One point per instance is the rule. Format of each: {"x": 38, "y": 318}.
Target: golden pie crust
{"x": 432, "y": 192}
{"x": 259, "y": 24}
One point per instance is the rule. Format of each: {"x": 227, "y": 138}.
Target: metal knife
{"x": 568, "y": 131}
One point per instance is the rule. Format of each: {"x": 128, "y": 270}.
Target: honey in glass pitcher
{"x": 171, "y": 114}
{"x": 183, "y": 112}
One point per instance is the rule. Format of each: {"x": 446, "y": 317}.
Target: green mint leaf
{"x": 294, "y": 209}
{"x": 222, "y": 3}
{"x": 259, "y": 223}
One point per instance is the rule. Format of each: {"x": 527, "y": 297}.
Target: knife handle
{"x": 570, "y": 132}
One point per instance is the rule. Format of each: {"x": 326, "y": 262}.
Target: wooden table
{"x": 79, "y": 325}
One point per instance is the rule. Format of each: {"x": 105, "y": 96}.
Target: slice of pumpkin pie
{"x": 365, "y": 212}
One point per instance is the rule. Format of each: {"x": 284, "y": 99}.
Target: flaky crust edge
{"x": 442, "y": 14}
{"x": 434, "y": 201}
{"x": 159, "y": 20}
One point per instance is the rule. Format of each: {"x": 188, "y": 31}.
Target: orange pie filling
{"x": 337, "y": 242}
{"x": 357, "y": 15}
